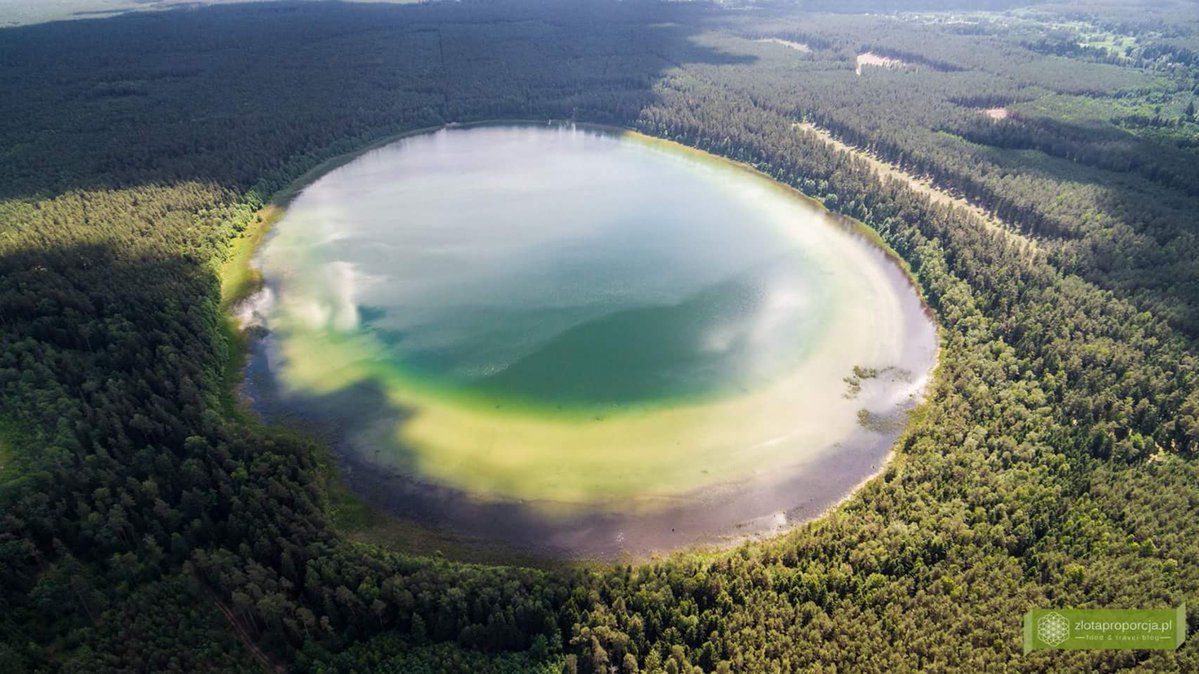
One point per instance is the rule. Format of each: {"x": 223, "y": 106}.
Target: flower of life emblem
{"x": 1053, "y": 628}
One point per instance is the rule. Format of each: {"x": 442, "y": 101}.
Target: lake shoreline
{"x": 351, "y": 474}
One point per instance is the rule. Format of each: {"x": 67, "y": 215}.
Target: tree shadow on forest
{"x": 107, "y": 349}
{"x": 1097, "y": 145}
{"x": 1154, "y": 269}
{"x": 250, "y": 96}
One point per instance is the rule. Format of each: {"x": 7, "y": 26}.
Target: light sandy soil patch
{"x": 917, "y": 184}
{"x": 797, "y": 46}
{"x": 872, "y": 59}
{"x": 997, "y": 113}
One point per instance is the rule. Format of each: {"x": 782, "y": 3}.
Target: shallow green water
{"x": 568, "y": 318}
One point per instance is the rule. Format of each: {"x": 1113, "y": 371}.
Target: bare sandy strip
{"x": 917, "y": 184}
{"x": 997, "y": 113}
{"x": 872, "y": 59}
{"x": 797, "y": 46}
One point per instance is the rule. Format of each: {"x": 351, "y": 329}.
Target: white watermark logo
{"x": 1128, "y": 629}
{"x": 1053, "y": 628}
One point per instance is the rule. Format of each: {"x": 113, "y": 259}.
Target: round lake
{"x": 584, "y": 343}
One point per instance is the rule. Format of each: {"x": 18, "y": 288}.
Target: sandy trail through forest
{"x": 917, "y": 184}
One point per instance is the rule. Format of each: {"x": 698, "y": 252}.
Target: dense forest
{"x": 146, "y": 523}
